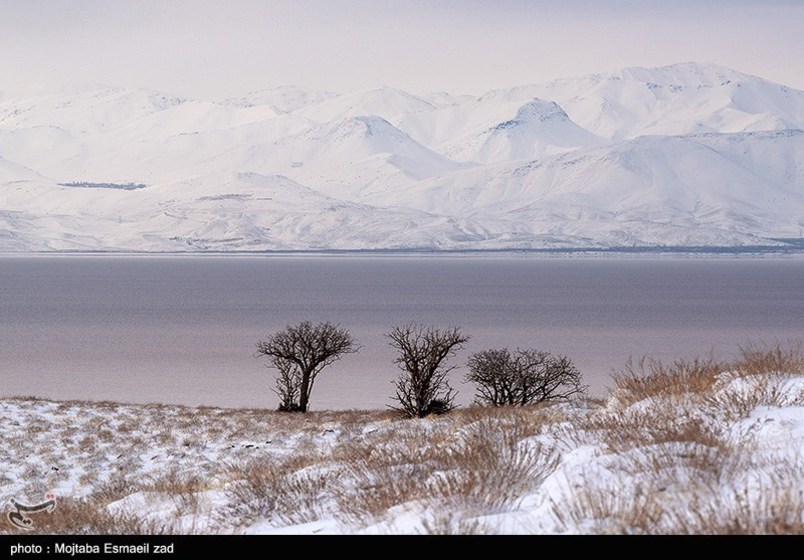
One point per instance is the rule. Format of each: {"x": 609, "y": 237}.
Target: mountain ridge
{"x": 689, "y": 154}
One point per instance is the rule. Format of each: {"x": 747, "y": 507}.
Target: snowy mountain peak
{"x": 388, "y": 103}
{"x": 365, "y": 126}
{"x": 145, "y": 98}
{"x": 539, "y": 110}
{"x": 285, "y": 99}
{"x": 687, "y": 74}
{"x": 538, "y": 128}
{"x": 362, "y": 130}
{"x": 87, "y": 111}
{"x": 396, "y": 98}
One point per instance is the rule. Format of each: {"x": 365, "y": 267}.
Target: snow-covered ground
{"x": 684, "y": 155}
{"x": 687, "y": 448}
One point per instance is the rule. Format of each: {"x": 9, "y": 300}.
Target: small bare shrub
{"x": 423, "y": 388}
{"x": 299, "y": 353}
{"x": 526, "y": 376}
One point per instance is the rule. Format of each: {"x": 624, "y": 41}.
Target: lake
{"x": 184, "y": 329}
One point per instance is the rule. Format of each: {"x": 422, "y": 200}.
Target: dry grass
{"x": 681, "y": 469}
{"x": 665, "y": 441}
{"x": 763, "y": 359}
{"x": 607, "y": 509}
{"x": 771, "y": 506}
{"x": 286, "y": 491}
{"x": 90, "y": 517}
{"x": 466, "y": 462}
{"x": 737, "y": 403}
{"x": 485, "y": 469}
{"x": 684, "y": 489}
{"x": 775, "y": 509}
{"x": 648, "y": 378}
{"x": 651, "y": 379}
{"x": 652, "y": 425}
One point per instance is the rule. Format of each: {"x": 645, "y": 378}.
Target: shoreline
{"x": 580, "y": 253}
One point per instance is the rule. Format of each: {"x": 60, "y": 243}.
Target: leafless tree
{"x": 523, "y": 377}
{"x": 288, "y": 385}
{"x": 423, "y": 388}
{"x": 299, "y": 353}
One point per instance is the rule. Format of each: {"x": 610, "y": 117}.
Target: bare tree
{"x": 299, "y": 353}
{"x": 423, "y": 387}
{"x": 288, "y": 385}
{"x": 524, "y": 377}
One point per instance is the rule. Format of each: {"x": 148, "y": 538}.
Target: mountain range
{"x": 688, "y": 155}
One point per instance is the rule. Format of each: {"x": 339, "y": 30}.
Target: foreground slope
{"x": 689, "y": 448}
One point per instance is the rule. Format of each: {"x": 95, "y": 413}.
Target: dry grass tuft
{"x": 774, "y": 506}
{"x": 90, "y": 517}
{"x": 651, "y": 379}
{"x": 485, "y": 469}
{"x": 286, "y": 491}
{"x": 762, "y": 359}
{"x": 652, "y": 422}
{"x": 606, "y": 509}
{"x": 736, "y": 403}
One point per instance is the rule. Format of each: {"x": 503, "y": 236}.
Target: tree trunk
{"x": 304, "y": 392}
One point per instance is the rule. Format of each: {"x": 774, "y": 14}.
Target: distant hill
{"x": 690, "y": 155}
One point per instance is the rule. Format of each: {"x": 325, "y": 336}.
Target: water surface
{"x": 184, "y": 329}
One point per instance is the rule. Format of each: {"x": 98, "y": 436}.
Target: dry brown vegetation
{"x": 646, "y": 506}
{"x": 763, "y": 359}
{"x": 282, "y": 468}
{"x": 671, "y": 429}
{"x": 650, "y": 379}
{"x": 676, "y": 448}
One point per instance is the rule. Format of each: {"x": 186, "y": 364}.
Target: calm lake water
{"x": 184, "y": 329}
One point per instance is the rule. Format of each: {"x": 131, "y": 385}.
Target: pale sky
{"x": 221, "y": 48}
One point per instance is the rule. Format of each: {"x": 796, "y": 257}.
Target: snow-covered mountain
{"x": 685, "y": 155}
{"x": 537, "y": 129}
{"x": 284, "y": 98}
{"x": 679, "y": 99}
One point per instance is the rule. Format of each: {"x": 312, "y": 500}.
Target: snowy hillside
{"x": 685, "y": 155}
{"x": 690, "y": 448}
